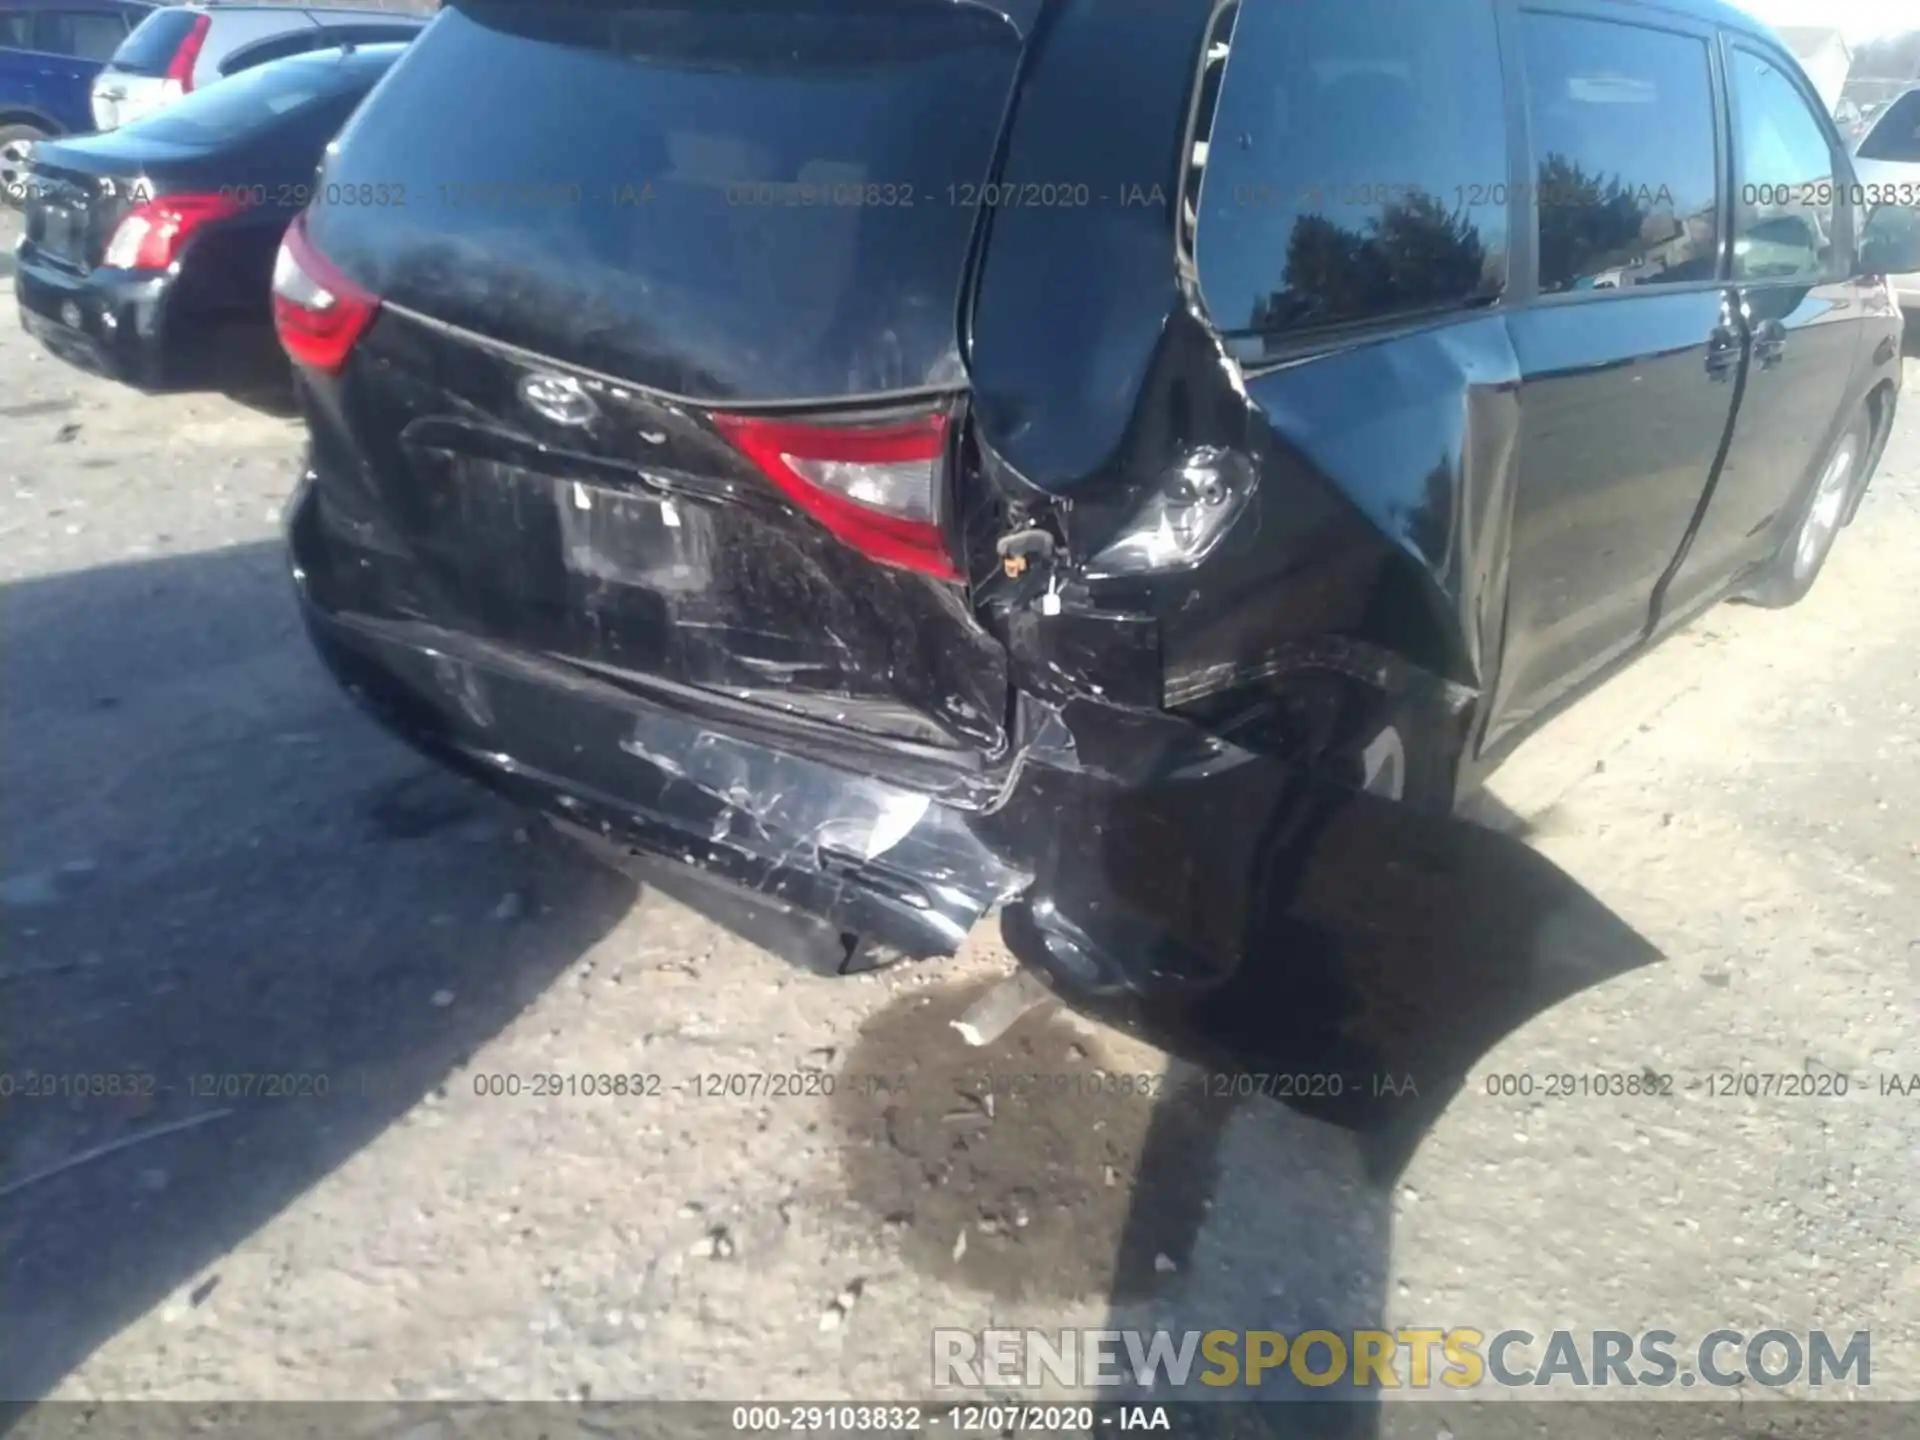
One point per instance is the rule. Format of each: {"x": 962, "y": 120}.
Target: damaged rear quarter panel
{"x": 1374, "y": 546}
{"x": 1385, "y": 463}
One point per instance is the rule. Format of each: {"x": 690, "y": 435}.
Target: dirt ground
{"x": 214, "y": 866}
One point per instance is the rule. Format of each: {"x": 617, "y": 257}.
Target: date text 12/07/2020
{"x": 964, "y": 1418}
{"x": 876, "y": 195}
{"x": 1708, "y": 1084}
{"x": 542, "y": 1084}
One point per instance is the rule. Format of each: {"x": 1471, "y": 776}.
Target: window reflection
{"x": 1784, "y": 212}
{"x": 1622, "y": 122}
{"x": 1356, "y": 167}
{"x": 1896, "y": 136}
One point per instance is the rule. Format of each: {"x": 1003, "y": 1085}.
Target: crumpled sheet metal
{"x": 802, "y": 813}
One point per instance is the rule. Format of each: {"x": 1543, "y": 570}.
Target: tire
{"x": 1790, "y": 574}
{"x": 14, "y": 140}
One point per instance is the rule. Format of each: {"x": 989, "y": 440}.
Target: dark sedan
{"x": 148, "y": 254}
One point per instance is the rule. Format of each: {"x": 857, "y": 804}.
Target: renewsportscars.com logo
{"x": 1411, "y": 1358}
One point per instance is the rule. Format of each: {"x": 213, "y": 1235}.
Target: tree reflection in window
{"x": 1625, "y": 187}
{"x": 1413, "y": 251}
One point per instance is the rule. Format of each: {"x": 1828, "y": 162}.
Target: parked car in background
{"x": 148, "y": 250}
{"x": 50, "y": 51}
{"x": 1848, "y": 117}
{"x": 759, "y": 443}
{"x": 182, "y": 47}
{"x": 1887, "y": 158}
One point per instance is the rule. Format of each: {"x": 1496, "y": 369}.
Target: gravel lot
{"x": 214, "y": 866}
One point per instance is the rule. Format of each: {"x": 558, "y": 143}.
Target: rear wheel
{"x": 15, "y": 142}
{"x": 1792, "y": 571}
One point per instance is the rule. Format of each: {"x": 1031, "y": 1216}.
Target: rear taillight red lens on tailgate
{"x": 318, "y": 312}
{"x": 180, "y": 68}
{"x": 151, "y": 236}
{"x": 876, "y": 487}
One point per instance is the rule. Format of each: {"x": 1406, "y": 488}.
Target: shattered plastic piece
{"x": 995, "y": 1012}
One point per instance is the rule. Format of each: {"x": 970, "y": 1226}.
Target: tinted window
{"x": 83, "y": 34}
{"x": 1784, "y": 215}
{"x": 14, "y": 31}
{"x": 150, "y": 48}
{"x": 1623, "y": 141}
{"x": 253, "y": 99}
{"x": 784, "y": 203}
{"x": 330, "y": 37}
{"x": 278, "y": 48}
{"x": 1356, "y": 167}
{"x": 1897, "y": 136}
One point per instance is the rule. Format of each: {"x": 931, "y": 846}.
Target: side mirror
{"x": 1890, "y": 241}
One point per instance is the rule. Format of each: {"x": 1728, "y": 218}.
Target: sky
{"x": 1861, "y": 19}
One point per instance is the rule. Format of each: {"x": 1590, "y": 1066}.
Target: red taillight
{"x": 151, "y": 236}
{"x": 877, "y": 487}
{"x": 180, "y": 68}
{"x": 318, "y": 312}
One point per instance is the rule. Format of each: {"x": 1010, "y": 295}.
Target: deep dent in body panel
{"x": 1339, "y": 537}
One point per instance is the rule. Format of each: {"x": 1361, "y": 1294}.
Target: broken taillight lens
{"x": 875, "y": 486}
{"x": 1182, "y": 518}
{"x": 318, "y": 312}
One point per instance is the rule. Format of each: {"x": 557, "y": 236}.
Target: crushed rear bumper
{"x": 871, "y": 859}
{"x": 1231, "y": 906}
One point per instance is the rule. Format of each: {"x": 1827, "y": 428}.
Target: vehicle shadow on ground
{"x": 1372, "y": 958}
{"x": 1381, "y": 956}
{"x": 223, "y": 892}
{"x": 248, "y": 366}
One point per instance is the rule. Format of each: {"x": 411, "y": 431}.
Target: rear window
{"x": 151, "y": 46}
{"x": 782, "y": 198}
{"x": 252, "y": 99}
{"x": 299, "y": 42}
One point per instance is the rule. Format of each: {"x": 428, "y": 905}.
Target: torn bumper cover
{"x": 871, "y": 858}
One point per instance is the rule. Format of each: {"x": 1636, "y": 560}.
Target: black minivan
{"x": 902, "y": 456}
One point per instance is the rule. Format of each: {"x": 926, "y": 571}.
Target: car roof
{"x": 1715, "y": 12}
{"x": 305, "y": 10}
{"x": 81, "y": 4}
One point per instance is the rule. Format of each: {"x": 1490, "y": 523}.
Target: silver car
{"x": 180, "y": 48}
{"x": 1887, "y": 161}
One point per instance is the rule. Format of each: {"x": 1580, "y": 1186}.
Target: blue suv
{"x": 50, "y": 50}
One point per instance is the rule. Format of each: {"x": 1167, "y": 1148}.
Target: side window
{"x": 1897, "y": 135}
{"x": 15, "y": 33}
{"x": 1783, "y": 226}
{"x": 1356, "y": 169}
{"x": 82, "y": 34}
{"x": 1623, "y": 143}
